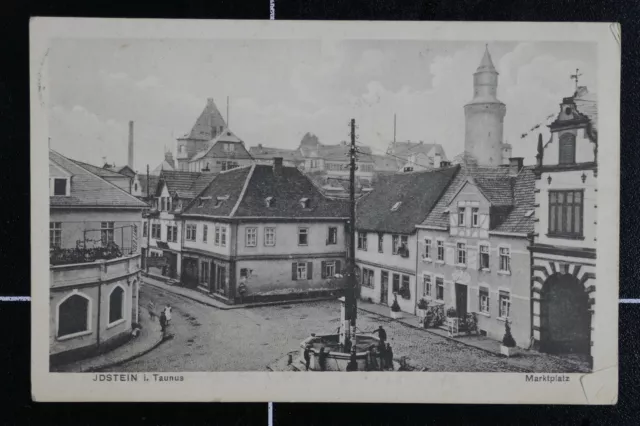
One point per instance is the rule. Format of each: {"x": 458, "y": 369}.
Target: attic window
{"x": 269, "y": 201}
{"x": 220, "y": 200}
{"x": 529, "y": 213}
{"x": 304, "y": 202}
{"x": 60, "y": 186}
{"x": 200, "y": 202}
{"x": 396, "y": 206}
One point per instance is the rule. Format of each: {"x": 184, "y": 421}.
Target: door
{"x": 565, "y": 316}
{"x": 384, "y": 288}
{"x": 461, "y": 300}
{"x": 190, "y": 276}
{"x": 212, "y": 277}
{"x": 172, "y": 262}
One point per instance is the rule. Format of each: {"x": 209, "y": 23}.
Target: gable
{"x": 469, "y": 191}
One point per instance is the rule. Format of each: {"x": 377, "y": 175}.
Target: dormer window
{"x": 269, "y": 201}
{"x": 61, "y": 186}
{"x": 200, "y": 202}
{"x": 304, "y": 202}
{"x": 220, "y": 200}
{"x": 396, "y": 206}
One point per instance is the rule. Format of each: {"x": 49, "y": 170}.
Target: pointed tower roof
{"x": 486, "y": 64}
{"x": 209, "y": 119}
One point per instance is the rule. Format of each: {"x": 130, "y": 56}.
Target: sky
{"x": 281, "y": 89}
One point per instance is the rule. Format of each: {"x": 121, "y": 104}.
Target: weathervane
{"x": 575, "y": 77}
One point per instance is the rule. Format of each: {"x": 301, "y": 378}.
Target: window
{"x": 461, "y": 214}
{"x": 484, "y": 256}
{"x": 106, "y": 232}
{"x": 269, "y": 201}
{"x": 302, "y": 271}
{"x": 403, "y": 250}
{"x": 380, "y": 243}
{"x": 505, "y": 304}
{"x": 251, "y": 239}
{"x": 60, "y": 186}
{"x": 116, "y": 304}
{"x": 440, "y": 247}
{"x": 155, "y": 231}
{"x": 396, "y": 283}
{"x": 221, "y": 278}
{"x": 395, "y": 244}
{"x": 474, "y": 217}
{"x": 332, "y": 238}
{"x": 73, "y": 315}
{"x": 426, "y": 285}
{"x": 305, "y": 203}
{"x": 566, "y": 213}
{"x": 216, "y": 239}
{"x": 462, "y": 253}
{"x": 427, "y": 248}
{"x": 329, "y": 269}
{"x": 270, "y": 237}
{"x": 223, "y": 236}
{"x": 367, "y": 277}
{"x": 483, "y": 300}
{"x": 55, "y": 234}
{"x": 567, "y": 148}
{"x": 404, "y": 290}
{"x": 362, "y": 241}
{"x": 384, "y": 280}
{"x": 145, "y": 229}
{"x": 505, "y": 259}
{"x": 396, "y": 206}
{"x": 439, "y": 288}
{"x": 172, "y": 233}
{"x": 303, "y": 236}
{"x": 204, "y": 272}
{"x": 205, "y": 231}
{"x": 191, "y": 232}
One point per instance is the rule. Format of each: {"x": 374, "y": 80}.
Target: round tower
{"x": 484, "y": 116}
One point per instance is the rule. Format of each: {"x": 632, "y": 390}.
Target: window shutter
{"x": 309, "y": 270}
{"x": 294, "y": 271}
{"x": 323, "y": 269}
{"x": 338, "y": 267}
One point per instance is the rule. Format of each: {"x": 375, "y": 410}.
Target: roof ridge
{"x": 243, "y": 191}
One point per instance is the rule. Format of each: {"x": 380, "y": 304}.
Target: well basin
{"x": 337, "y": 360}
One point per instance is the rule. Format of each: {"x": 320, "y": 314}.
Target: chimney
{"x": 437, "y": 161}
{"x": 130, "y": 157}
{"x": 515, "y": 165}
{"x": 277, "y": 166}
{"x": 506, "y": 154}
{"x": 168, "y": 157}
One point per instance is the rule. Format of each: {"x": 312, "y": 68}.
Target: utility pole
{"x": 146, "y": 261}
{"x": 351, "y": 308}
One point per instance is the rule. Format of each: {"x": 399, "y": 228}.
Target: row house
{"x": 94, "y": 261}
{"x": 162, "y": 231}
{"x": 564, "y": 245}
{"x": 262, "y": 230}
{"x": 387, "y": 241}
{"x": 473, "y": 253}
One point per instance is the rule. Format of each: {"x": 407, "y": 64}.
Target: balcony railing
{"x": 66, "y": 256}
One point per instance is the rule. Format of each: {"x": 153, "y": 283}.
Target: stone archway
{"x": 565, "y": 315}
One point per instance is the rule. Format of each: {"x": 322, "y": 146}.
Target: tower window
{"x": 567, "y": 149}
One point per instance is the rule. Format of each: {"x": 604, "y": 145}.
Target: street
{"x": 211, "y": 339}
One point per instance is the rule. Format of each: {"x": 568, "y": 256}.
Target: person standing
{"x": 382, "y": 355}
{"x": 322, "y": 359}
{"x": 353, "y": 363}
{"x": 372, "y": 358}
{"x": 382, "y": 334}
{"x": 163, "y": 322}
{"x": 167, "y": 313}
{"x": 307, "y": 356}
{"x": 389, "y": 356}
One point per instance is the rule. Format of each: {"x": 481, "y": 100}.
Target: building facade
{"x": 386, "y": 250}
{"x": 564, "y": 248}
{"x": 416, "y": 156}
{"x": 260, "y": 231}
{"x": 473, "y": 249}
{"x": 94, "y": 232}
{"x": 226, "y": 151}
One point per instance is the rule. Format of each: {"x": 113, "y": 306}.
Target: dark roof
{"x": 515, "y": 195}
{"x": 259, "y": 182}
{"x": 88, "y": 189}
{"x": 209, "y": 119}
{"x": 100, "y": 171}
{"x": 417, "y": 192}
{"x": 186, "y": 184}
{"x": 216, "y": 148}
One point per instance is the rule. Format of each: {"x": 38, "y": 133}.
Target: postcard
{"x": 246, "y": 210}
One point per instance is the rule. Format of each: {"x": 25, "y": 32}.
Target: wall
{"x": 584, "y": 147}
{"x": 209, "y": 246}
{"x": 483, "y": 132}
{"x": 76, "y": 221}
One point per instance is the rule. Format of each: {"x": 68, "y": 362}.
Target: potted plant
{"x": 508, "y": 343}
{"x": 395, "y": 308}
{"x": 422, "y": 307}
{"x": 452, "y": 313}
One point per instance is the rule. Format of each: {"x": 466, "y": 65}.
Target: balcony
{"x": 72, "y": 274}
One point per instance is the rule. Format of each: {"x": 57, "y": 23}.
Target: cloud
{"x": 149, "y": 81}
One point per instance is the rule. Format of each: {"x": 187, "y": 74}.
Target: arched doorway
{"x": 565, "y": 316}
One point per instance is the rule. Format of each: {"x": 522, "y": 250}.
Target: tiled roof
{"x": 100, "y": 171}
{"x": 286, "y": 189}
{"x": 88, "y": 189}
{"x": 216, "y": 148}
{"x": 162, "y": 166}
{"x": 186, "y": 184}
{"x": 416, "y": 192}
{"x": 512, "y": 194}
{"x": 209, "y": 119}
